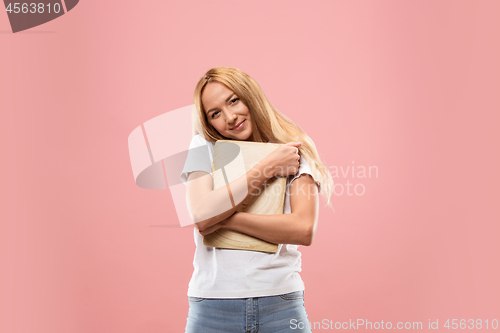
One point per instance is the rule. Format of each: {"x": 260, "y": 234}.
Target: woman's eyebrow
{"x": 227, "y": 99}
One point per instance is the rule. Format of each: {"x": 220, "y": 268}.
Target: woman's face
{"x": 226, "y": 112}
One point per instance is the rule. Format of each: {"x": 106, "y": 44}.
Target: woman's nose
{"x": 230, "y": 116}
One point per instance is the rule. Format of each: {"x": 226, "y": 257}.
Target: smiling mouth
{"x": 239, "y": 126}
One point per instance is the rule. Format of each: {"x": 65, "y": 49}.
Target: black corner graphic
{"x": 26, "y": 15}
{"x": 70, "y": 4}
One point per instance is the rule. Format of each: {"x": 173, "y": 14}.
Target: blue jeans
{"x": 269, "y": 314}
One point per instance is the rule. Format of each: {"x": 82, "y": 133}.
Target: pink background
{"x": 408, "y": 86}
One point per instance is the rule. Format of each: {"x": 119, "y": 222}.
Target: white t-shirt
{"x": 229, "y": 273}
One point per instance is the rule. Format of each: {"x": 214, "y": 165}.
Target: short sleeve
{"x": 199, "y": 157}
{"x": 304, "y": 168}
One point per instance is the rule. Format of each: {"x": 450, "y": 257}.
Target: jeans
{"x": 269, "y": 314}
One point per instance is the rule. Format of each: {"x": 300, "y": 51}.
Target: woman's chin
{"x": 247, "y": 137}
{"x": 240, "y": 137}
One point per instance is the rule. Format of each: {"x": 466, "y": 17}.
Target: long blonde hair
{"x": 268, "y": 124}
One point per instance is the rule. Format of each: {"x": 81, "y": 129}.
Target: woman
{"x": 248, "y": 291}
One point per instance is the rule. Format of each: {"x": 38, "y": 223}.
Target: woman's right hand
{"x": 284, "y": 160}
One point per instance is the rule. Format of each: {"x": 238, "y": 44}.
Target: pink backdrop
{"x": 410, "y": 87}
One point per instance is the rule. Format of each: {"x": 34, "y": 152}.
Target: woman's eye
{"x": 214, "y": 113}
{"x": 234, "y": 100}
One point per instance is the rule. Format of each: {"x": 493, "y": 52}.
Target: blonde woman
{"x": 238, "y": 290}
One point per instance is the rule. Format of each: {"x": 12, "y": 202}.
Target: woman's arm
{"x": 298, "y": 227}
{"x": 208, "y": 207}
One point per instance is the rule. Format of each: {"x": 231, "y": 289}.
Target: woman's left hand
{"x": 217, "y": 226}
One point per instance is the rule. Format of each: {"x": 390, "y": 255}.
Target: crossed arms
{"x": 298, "y": 227}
